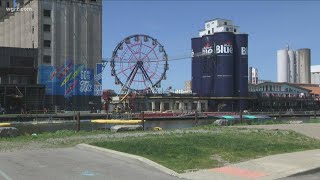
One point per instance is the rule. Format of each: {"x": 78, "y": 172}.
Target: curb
{"x": 308, "y": 171}
{"x": 131, "y": 156}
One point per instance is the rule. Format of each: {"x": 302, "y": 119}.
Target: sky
{"x": 271, "y": 25}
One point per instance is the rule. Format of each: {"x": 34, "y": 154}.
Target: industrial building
{"x": 218, "y": 25}
{"x": 19, "y": 91}
{"x": 220, "y": 62}
{"x": 315, "y": 74}
{"x": 294, "y": 66}
{"x": 67, "y": 37}
{"x": 279, "y": 89}
{"x": 263, "y": 80}
{"x": 275, "y": 96}
{"x": 188, "y": 86}
{"x": 253, "y": 75}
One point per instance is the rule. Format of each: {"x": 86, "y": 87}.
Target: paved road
{"x": 308, "y": 129}
{"x": 74, "y": 164}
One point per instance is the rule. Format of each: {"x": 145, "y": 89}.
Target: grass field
{"x": 180, "y": 150}
{"x": 221, "y": 146}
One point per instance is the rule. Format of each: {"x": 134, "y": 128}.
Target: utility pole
{"x": 142, "y": 118}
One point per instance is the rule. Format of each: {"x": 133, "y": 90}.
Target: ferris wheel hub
{"x": 140, "y": 63}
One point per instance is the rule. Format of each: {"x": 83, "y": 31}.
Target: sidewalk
{"x": 270, "y": 167}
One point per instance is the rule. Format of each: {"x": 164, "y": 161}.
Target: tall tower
{"x": 254, "y": 77}
{"x": 222, "y": 68}
{"x": 282, "y": 65}
{"x": 294, "y": 66}
{"x": 304, "y": 56}
{"x": 4, "y": 4}
{"x": 68, "y": 38}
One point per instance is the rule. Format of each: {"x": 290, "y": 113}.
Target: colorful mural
{"x": 67, "y": 80}
{"x": 98, "y": 80}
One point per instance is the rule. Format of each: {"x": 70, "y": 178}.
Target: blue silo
{"x": 224, "y": 78}
{"x": 241, "y": 68}
{"x": 196, "y": 45}
{"x": 207, "y": 65}
{"x": 241, "y": 65}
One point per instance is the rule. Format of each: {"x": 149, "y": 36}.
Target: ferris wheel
{"x": 139, "y": 63}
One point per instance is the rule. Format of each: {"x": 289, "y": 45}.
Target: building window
{"x": 93, "y": 0}
{"x": 32, "y": 29}
{"x": 32, "y": 15}
{"x": 209, "y": 32}
{"x": 235, "y": 30}
{"x": 32, "y": 44}
{"x": 212, "y": 30}
{"x": 8, "y": 4}
{"x": 227, "y": 29}
{"x": 46, "y": 28}
{"x": 46, "y": 13}
{"x": 46, "y": 43}
{"x": 46, "y": 59}
{"x": 225, "y": 23}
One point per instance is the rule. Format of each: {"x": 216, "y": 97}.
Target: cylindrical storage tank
{"x": 241, "y": 65}
{"x": 224, "y": 64}
{"x": 2, "y": 33}
{"x": 292, "y": 68}
{"x": 297, "y": 75}
{"x": 12, "y": 28}
{"x": 196, "y": 46}
{"x": 250, "y": 75}
{"x": 207, "y": 65}
{"x": 304, "y": 56}
{"x": 282, "y": 65}
{"x": 6, "y": 28}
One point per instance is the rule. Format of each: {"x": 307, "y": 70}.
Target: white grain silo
{"x": 304, "y": 57}
{"x": 292, "y": 67}
{"x": 282, "y": 65}
{"x": 297, "y": 67}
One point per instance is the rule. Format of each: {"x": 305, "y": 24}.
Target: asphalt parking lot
{"x": 74, "y": 164}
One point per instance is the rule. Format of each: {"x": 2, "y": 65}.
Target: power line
{"x": 154, "y": 60}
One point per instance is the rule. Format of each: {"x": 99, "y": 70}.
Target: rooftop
{"x": 300, "y": 86}
{"x": 314, "y": 90}
{"x": 218, "y": 19}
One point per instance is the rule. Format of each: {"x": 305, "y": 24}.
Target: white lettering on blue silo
{"x": 244, "y": 51}
{"x": 224, "y": 49}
